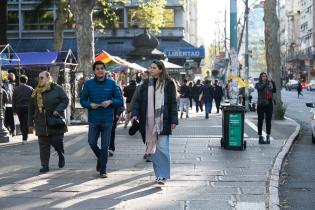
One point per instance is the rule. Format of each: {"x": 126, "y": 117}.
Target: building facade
{"x": 30, "y": 31}
{"x": 300, "y": 39}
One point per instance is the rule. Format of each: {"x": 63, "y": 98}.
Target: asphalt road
{"x": 297, "y": 180}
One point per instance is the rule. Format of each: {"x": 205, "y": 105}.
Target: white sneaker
{"x": 24, "y": 142}
{"x": 160, "y": 181}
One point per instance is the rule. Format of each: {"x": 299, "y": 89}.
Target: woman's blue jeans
{"x": 161, "y": 158}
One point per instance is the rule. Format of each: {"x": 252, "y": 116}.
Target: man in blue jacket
{"x": 100, "y": 96}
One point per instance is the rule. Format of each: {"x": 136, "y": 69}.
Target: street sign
{"x": 184, "y": 52}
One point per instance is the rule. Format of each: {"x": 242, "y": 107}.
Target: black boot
{"x": 61, "y": 162}
{"x": 181, "y": 115}
{"x": 268, "y": 139}
{"x": 261, "y": 140}
{"x": 207, "y": 116}
{"x": 44, "y": 169}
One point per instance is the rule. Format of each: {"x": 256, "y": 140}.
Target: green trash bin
{"x": 233, "y": 127}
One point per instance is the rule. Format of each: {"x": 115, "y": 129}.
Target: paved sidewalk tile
{"x": 204, "y": 176}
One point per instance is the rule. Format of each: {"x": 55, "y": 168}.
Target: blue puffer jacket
{"x": 95, "y": 91}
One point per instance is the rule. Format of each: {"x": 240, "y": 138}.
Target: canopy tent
{"x": 116, "y": 64}
{"x": 41, "y": 59}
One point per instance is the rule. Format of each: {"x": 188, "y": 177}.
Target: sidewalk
{"x": 204, "y": 176}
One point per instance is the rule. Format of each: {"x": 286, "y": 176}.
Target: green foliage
{"x": 105, "y": 15}
{"x": 150, "y": 14}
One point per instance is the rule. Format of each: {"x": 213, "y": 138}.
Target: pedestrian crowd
{"x": 151, "y": 106}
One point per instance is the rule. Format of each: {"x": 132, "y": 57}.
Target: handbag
{"x": 55, "y": 121}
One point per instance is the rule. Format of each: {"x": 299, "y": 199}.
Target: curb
{"x": 273, "y": 201}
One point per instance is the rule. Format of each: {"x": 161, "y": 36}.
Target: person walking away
{"x": 190, "y": 94}
{"x": 218, "y": 94}
{"x": 100, "y": 96}
{"x": 156, "y": 109}
{"x": 197, "y": 90}
{"x": 208, "y": 93}
{"x": 128, "y": 93}
{"x": 9, "y": 84}
{"x": 184, "y": 99}
{"x": 299, "y": 89}
{"x": 118, "y": 110}
{"x": 20, "y": 102}
{"x": 48, "y": 100}
{"x": 265, "y": 88}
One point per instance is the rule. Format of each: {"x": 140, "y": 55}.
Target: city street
{"x": 298, "y": 180}
{"x": 204, "y": 176}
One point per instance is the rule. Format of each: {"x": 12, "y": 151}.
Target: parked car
{"x": 312, "y": 105}
{"x": 292, "y": 84}
{"x": 311, "y": 85}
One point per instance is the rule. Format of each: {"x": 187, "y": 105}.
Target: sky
{"x": 212, "y": 11}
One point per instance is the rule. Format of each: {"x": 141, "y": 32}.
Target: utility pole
{"x": 246, "y": 59}
{"x": 233, "y": 48}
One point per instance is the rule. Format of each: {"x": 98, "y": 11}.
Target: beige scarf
{"x": 154, "y": 120}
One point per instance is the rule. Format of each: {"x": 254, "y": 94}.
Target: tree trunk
{"x": 273, "y": 52}
{"x": 82, "y": 11}
{"x": 3, "y": 22}
{"x": 59, "y": 24}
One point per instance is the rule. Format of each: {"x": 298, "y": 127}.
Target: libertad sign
{"x": 185, "y": 52}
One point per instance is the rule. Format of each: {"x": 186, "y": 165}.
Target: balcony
{"x": 170, "y": 3}
{"x": 177, "y": 32}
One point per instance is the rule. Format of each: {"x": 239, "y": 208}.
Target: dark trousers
{"x": 112, "y": 136}
{"x": 190, "y": 101}
{"x": 264, "y": 111}
{"x": 198, "y": 105}
{"x": 56, "y": 141}
{"x": 95, "y": 130}
{"x": 8, "y": 119}
{"x": 208, "y": 106}
{"x": 23, "y": 114}
{"x": 217, "y": 103}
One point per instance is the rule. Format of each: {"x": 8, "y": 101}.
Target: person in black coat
{"x": 196, "y": 92}
{"x": 156, "y": 109}
{"x": 218, "y": 94}
{"x": 190, "y": 94}
{"x": 208, "y": 93}
{"x": 128, "y": 93}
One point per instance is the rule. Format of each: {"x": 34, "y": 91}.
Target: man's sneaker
{"x": 24, "y": 142}
{"x": 44, "y": 169}
{"x": 103, "y": 174}
{"x": 261, "y": 140}
{"x": 98, "y": 166}
{"x": 110, "y": 153}
{"x": 268, "y": 139}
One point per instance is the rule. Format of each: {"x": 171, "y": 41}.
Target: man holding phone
{"x": 100, "y": 95}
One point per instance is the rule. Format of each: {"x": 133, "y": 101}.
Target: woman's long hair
{"x": 163, "y": 75}
{"x": 260, "y": 76}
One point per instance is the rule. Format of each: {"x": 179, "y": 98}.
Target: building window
{"x": 13, "y": 20}
{"x": 42, "y": 20}
{"x": 169, "y": 18}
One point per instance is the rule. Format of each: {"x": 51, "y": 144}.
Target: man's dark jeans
{"x": 23, "y": 115}
{"x": 95, "y": 130}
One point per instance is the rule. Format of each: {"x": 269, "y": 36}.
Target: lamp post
{"x": 4, "y": 133}
{"x": 246, "y": 56}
